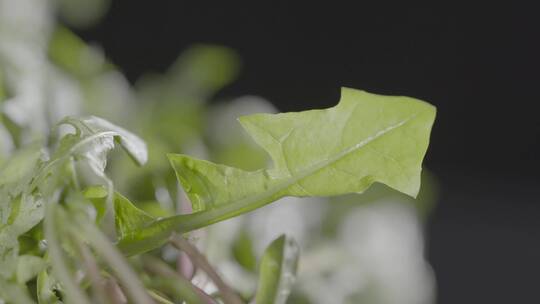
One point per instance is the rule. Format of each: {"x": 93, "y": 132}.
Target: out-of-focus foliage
{"x": 82, "y": 13}
{"x": 277, "y": 271}
{"x": 354, "y": 248}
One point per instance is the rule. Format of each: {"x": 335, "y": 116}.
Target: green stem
{"x": 59, "y": 267}
{"x": 160, "y": 299}
{"x": 116, "y": 261}
{"x": 175, "y": 283}
{"x": 227, "y": 294}
{"x": 93, "y": 271}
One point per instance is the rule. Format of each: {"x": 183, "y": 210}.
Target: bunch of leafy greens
{"x": 69, "y": 233}
{"x": 52, "y": 210}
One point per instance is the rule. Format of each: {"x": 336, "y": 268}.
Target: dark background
{"x": 478, "y": 64}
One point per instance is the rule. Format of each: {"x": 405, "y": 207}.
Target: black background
{"x": 479, "y": 64}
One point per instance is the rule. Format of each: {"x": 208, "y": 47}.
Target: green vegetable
{"x": 19, "y": 210}
{"x": 2, "y": 88}
{"x": 28, "y": 267}
{"x": 242, "y": 251}
{"x": 128, "y": 218}
{"x": 94, "y": 129}
{"x": 13, "y": 293}
{"x": 67, "y": 225}
{"x": 73, "y": 55}
{"x": 28, "y": 182}
{"x": 277, "y": 271}
{"x": 46, "y": 285}
{"x": 366, "y": 138}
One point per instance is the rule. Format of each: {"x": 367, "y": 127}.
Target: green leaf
{"x": 277, "y": 271}
{"x": 96, "y": 128}
{"x": 71, "y": 53}
{"x": 14, "y": 293}
{"x": 366, "y": 138}
{"x": 128, "y": 218}
{"x": 29, "y": 213}
{"x": 28, "y": 267}
{"x": 9, "y": 250}
{"x": 203, "y": 69}
{"x": 46, "y": 286}
{"x": 15, "y": 175}
{"x": 242, "y": 250}
{"x": 97, "y": 195}
{"x": 19, "y": 210}
{"x": 88, "y": 146}
{"x": 2, "y": 88}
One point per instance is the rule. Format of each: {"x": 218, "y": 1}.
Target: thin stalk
{"x": 184, "y": 266}
{"x": 93, "y": 271}
{"x": 117, "y": 262}
{"x": 160, "y": 299}
{"x": 175, "y": 283}
{"x": 74, "y": 176}
{"x": 115, "y": 292}
{"x": 227, "y": 294}
{"x": 73, "y": 292}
